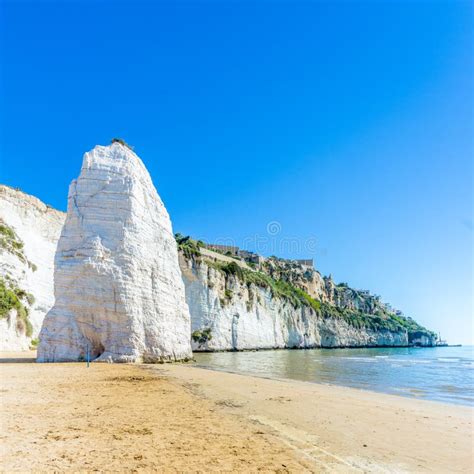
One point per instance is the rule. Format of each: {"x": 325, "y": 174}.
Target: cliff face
{"x": 228, "y": 313}
{"x": 118, "y": 288}
{"x": 29, "y": 232}
{"x": 323, "y": 288}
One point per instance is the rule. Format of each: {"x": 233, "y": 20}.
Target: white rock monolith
{"x": 119, "y": 295}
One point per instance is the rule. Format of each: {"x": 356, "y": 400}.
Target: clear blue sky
{"x": 350, "y": 123}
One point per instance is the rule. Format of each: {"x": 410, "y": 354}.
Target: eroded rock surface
{"x": 230, "y": 314}
{"x": 118, "y": 286}
{"x": 29, "y": 233}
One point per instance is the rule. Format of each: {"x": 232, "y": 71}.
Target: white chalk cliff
{"x": 228, "y": 313}
{"x": 29, "y": 233}
{"x": 118, "y": 285}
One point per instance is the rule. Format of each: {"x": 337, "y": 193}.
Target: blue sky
{"x": 350, "y": 124}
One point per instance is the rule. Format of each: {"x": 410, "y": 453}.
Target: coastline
{"x": 309, "y": 348}
{"x": 332, "y": 385}
{"x": 443, "y": 374}
{"x": 178, "y": 417}
{"x": 343, "y": 427}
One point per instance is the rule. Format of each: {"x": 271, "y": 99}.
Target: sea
{"x": 443, "y": 374}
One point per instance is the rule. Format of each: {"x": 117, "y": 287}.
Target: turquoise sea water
{"x": 444, "y": 374}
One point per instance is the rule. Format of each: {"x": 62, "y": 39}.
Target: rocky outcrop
{"x": 118, "y": 287}
{"x": 29, "y": 232}
{"x": 302, "y": 276}
{"x": 231, "y": 314}
{"x": 421, "y": 339}
{"x": 321, "y": 288}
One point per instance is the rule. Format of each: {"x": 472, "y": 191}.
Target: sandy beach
{"x": 169, "y": 418}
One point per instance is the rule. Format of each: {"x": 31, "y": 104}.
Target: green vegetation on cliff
{"x": 201, "y": 337}
{"x": 10, "y": 242}
{"x": 122, "y": 142}
{"x": 279, "y": 288}
{"x": 12, "y": 298}
{"x": 381, "y": 321}
{"x": 189, "y": 247}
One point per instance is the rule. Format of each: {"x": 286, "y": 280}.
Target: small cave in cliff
{"x": 93, "y": 350}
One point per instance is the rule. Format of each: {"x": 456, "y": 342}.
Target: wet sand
{"x": 179, "y": 418}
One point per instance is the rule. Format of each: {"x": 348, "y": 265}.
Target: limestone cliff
{"x": 229, "y": 314}
{"x": 321, "y": 288}
{"x": 118, "y": 287}
{"x": 234, "y": 307}
{"x": 29, "y": 232}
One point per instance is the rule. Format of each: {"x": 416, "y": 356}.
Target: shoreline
{"x": 438, "y": 375}
{"x": 333, "y": 385}
{"x": 356, "y": 429}
{"x": 310, "y": 348}
{"x": 179, "y": 417}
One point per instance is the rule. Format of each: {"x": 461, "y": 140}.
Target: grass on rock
{"x": 12, "y": 298}
{"x": 381, "y": 321}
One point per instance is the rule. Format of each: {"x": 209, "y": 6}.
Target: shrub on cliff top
{"x": 189, "y": 247}
{"x": 122, "y": 142}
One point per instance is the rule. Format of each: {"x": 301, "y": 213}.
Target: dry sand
{"x": 168, "y": 418}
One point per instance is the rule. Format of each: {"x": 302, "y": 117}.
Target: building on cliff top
{"x": 233, "y": 250}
